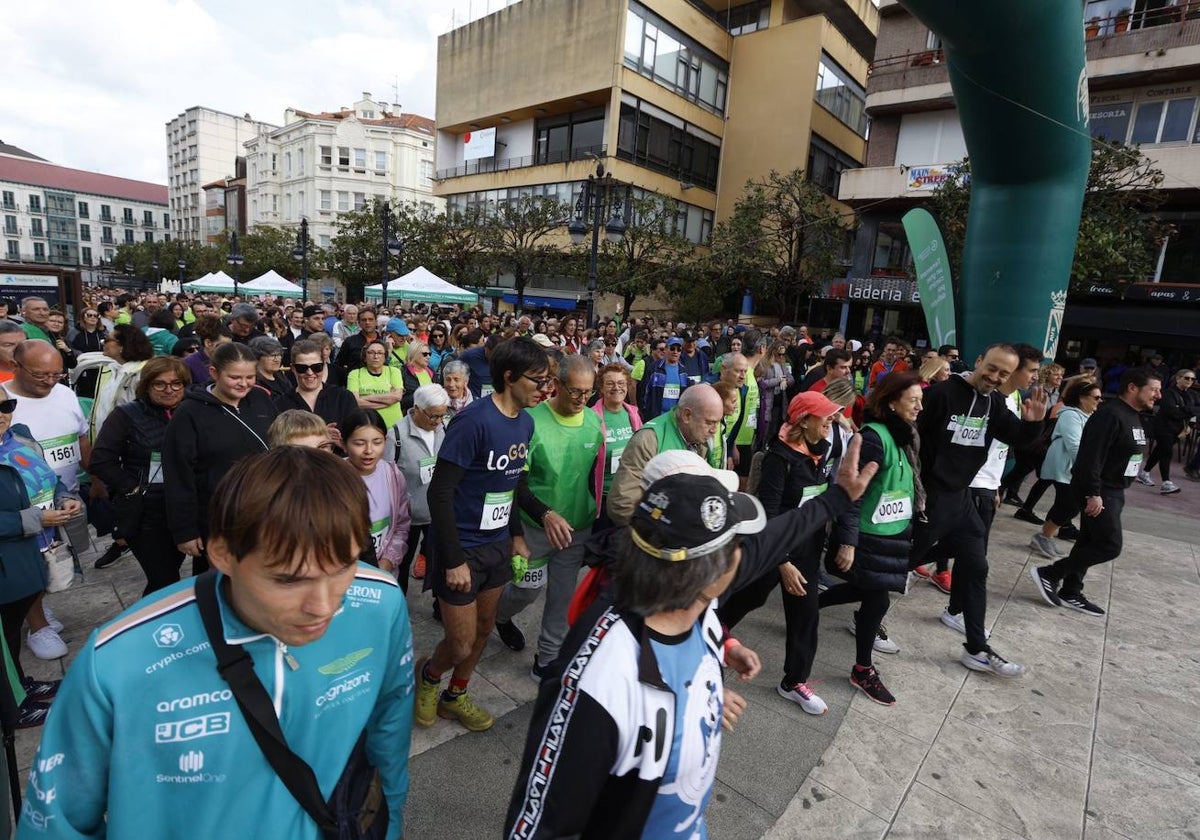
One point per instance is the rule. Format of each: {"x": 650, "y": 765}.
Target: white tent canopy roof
{"x": 271, "y": 283}
{"x": 422, "y": 285}
{"x": 219, "y": 282}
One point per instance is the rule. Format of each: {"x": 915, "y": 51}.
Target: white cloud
{"x": 91, "y": 85}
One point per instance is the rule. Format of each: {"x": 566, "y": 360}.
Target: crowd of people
{"x": 651, "y": 483}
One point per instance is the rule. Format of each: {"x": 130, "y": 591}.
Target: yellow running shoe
{"x": 463, "y": 709}
{"x": 426, "y": 705}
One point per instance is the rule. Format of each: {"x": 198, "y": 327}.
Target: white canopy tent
{"x": 271, "y": 283}
{"x": 424, "y": 286}
{"x": 219, "y": 282}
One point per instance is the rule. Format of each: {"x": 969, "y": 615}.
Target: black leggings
{"x": 1065, "y": 507}
{"x": 873, "y": 606}
{"x": 1164, "y": 451}
{"x": 12, "y": 616}
{"x": 1036, "y": 492}
{"x": 417, "y": 535}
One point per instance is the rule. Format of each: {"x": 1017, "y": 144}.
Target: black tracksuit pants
{"x": 985, "y": 504}
{"x": 954, "y": 520}
{"x": 1100, "y": 540}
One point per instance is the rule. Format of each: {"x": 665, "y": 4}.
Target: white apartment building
{"x": 321, "y": 164}
{"x": 202, "y": 146}
{"x": 70, "y": 217}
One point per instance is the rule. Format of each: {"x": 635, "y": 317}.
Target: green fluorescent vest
{"x": 895, "y": 476}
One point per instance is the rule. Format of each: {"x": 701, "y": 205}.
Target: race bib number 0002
{"x": 895, "y": 506}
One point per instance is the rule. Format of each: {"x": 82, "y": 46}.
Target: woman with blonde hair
{"x": 416, "y": 372}
{"x": 934, "y": 369}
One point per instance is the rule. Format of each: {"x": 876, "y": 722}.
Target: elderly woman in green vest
{"x": 871, "y": 542}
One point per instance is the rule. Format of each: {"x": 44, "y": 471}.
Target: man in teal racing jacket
{"x": 146, "y": 739}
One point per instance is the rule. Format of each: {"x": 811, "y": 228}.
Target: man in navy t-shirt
{"x": 476, "y": 532}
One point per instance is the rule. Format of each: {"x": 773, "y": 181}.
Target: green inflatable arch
{"x": 1019, "y": 75}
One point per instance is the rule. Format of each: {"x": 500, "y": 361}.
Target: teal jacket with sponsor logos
{"x": 146, "y": 740}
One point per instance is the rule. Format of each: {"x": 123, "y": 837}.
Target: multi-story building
{"x": 54, "y": 214}
{"x": 684, "y": 98}
{"x": 320, "y": 164}
{"x": 1144, "y": 84}
{"x": 202, "y": 146}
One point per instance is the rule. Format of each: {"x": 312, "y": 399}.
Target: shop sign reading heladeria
{"x": 927, "y": 178}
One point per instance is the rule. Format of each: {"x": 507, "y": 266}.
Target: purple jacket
{"x": 198, "y": 364}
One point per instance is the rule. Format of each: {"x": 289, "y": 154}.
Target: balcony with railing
{"x": 484, "y": 165}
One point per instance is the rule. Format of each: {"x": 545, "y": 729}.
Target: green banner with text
{"x": 933, "y": 275}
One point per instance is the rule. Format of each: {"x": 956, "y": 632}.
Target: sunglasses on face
{"x": 315, "y": 367}
{"x": 8, "y": 406}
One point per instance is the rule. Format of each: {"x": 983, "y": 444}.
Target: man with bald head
{"x": 690, "y": 425}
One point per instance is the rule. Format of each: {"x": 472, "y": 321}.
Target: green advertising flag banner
{"x": 933, "y": 275}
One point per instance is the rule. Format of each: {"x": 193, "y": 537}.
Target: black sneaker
{"x": 511, "y": 635}
{"x": 40, "y": 689}
{"x": 1011, "y": 498}
{"x": 1081, "y": 604}
{"x": 539, "y": 672}
{"x": 867, "y": 681}
{"x": 111, "y": 555}
{"x": 1026, "y": 515}
{"x": 1068, "y": 532}
{"x": 31, "y": 714}
{"x": 1047, "y": 586}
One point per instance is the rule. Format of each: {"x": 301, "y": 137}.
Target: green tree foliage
{"x": 652, "y": 251}
{"x": 517, "y": 237}
{"x": 782, "y": 239}
{"x": 1119, "y": 236}
{"x": 265, "y": 248}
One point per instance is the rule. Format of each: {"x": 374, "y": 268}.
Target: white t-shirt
{"x": 992, "y": 471}
{"x": 57, "y": 423}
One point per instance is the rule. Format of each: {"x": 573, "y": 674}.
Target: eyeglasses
{"x": 8, "y": 406}
{"x": 91, "y": 314}
{"x": 426, "y": 354}
{"x": 42, "y": 377}
{"x": 376, "y": 353}
{"x": 315, "y": 367}
{"x": 542, "y": 382}
{"x": 436, "y": 418}
{"x": 1188, "y": 378}
{"x": 616, "y": 385}
{"x": 162, "y": 387}
{"x": 579, "y": 393}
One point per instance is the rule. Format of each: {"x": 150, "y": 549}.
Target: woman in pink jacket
{"x": 363, "y": 435}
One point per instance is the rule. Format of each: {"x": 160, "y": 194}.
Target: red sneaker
{"x": 941, "y": 580}
{"x": 418, "y": 569}
{"x": 922, "y": 571}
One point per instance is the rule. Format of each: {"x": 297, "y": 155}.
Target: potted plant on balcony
{"x": 1092, "y": 29}
{"x": 1122, "y": 22}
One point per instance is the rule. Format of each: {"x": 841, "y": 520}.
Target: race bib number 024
{"x": 497, "y": 507}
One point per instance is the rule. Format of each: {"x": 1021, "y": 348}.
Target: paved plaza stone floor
{"x": 1101, "y": 740}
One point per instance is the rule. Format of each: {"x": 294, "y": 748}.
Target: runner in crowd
{"x": 269, "y": 352}
{"x": 665, "y": 381}
{"x": 416, "y": 371}
{"x": 279, "y": 599}
{"x": 619, "y": 420}
{"x": 313, "y": 393}
{"x": 127, "y": 458}
{"x": 471, "y": 498}
{"x": 364, "y": 437}
{"x": 1171, "y": 422}
{"x": 212, "y": 333}
{"x": 295, "y": 427}
{"x": 417, "y": 439}
{"x": 216, "y": 426}
{"x": 565, "y": 471}
{"x": 350, "y": 353}
{"x": 1112, "y": 449}
{"x": 960, "y": 419}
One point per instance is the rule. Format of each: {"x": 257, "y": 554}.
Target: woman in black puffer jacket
{"x": 871, "y": 543}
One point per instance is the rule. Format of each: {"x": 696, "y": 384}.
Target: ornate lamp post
{"x": 597, "y": 196}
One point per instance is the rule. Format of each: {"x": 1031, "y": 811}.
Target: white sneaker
{"x": 1168, "y": 488}
{"x": 956, "y": 622}
{"x": 803, "y": 696}
{"x": 1144, "y": 478}
{"x": 1046, "y": 547}
{"x": 992, "y": 663}
{"x": 46, "y": 644}
{"x": 51, "y": 619}
{"x": 883, "y": 644}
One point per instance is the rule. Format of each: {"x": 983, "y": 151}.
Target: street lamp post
{"x": 156, "y": 267}
{"x": 300, "y": 252}
{"x": 235, "y": 259}
{"x": 597, "y": 194}
{"x": 179, "y": 263}
{"x": 129, "y": 274}
{"x": 391, "y": 245}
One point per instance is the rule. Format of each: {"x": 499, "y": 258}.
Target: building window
{"x": 105, "y": 213}
{"x": 10, "y": 225}
{"x": 108, "y": 254}
{"x": 343, "y": 155}
{"x": 646, "y": 137}
{"x": 326, "y": 200}
{"x": 148, "y": 218}
{"x": 148, "y": 236}
{"x": 323, "y": 240}
{"x": 274, "y": 204}
{"x": 1162, "y": 122}
{"x": 426, "y": 173}
{"x": 826, "y": 165}
{"x": 10, "y": 200}
{"x": 35, "y": 204}
{"x": 300, "y": 208}
{"x": 841, "y": 96}
{"x": 14, "y": 249}
{"x": 327, "y": 156}
{"x": 287, "y": 206}
{"x": 661, "y": 52}
{"x": 274, "y": 163}
{"x": 35, "y": 228}
{"x": 166, "y": 220}
{"x": 85, "y": 233}
{"x": 569, "y": 136}
{"x": 892, "y": 257}
{"x": 287, "y": 164}
{"x": 343, "y": 200}
{"x": 83, "y": 210}
{"x": 106, "y": 236}
{"x": 127, "y": 216}
{"x": 380, "y": 161}
{"x": 742, "y": 20}
{"x": 85, "y": 256}
{"x": 360, "y": 200}
{"x": 300, "y": 161}
{"x": 128, "y": 237}
{"x": 360, "y": 158}
{"x": 39, "y": 251}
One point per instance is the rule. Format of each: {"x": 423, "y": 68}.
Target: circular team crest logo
{"x": 713, "y": 512}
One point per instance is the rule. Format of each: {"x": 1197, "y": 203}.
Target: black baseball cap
{"x": 683, "y": 516}
{"x": 310, "y": 311}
